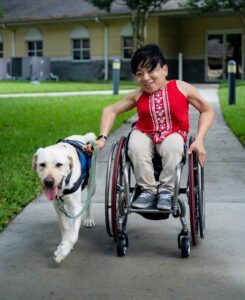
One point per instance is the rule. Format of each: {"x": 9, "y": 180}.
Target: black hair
{"x": 148, "y": 56}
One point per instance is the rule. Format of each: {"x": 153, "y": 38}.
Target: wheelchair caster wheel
{"x": 185, "y": 247}
{"x": 122, "y": 245}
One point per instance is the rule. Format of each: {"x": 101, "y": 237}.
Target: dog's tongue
{"x": 51, "y": 193}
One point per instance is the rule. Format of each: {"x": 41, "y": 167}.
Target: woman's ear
{"x": 165, "y": 70}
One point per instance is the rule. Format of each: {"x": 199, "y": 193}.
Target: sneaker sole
{"x": 143, "y": 206}
{"x": 162, "y": 207}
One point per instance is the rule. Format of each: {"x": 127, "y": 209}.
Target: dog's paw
{"x": 89, "y": 223}
{"x": 62, "y": 251}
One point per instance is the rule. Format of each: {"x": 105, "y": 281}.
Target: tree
{"x": 213, "y": 6}
{"x": 210, "y": 6}
{"x": 139, "y": 10}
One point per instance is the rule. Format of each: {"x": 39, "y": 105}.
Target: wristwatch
{"x": 100, "y": 137}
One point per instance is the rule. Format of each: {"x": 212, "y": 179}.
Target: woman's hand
{"x": 89, "y": 148}
{"x": 198, "y": 146}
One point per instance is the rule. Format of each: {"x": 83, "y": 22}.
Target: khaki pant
{"x": 141, "y": 150}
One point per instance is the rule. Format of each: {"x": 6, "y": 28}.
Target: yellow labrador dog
{"x": 59, "y": 169}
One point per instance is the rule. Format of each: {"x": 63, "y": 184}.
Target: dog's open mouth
{"x": 51, "y": 192}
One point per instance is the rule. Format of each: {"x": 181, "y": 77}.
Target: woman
{"x": 162, "y": 126}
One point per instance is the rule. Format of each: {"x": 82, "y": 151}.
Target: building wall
{"x": 6, "y": 39}
{"x": 193, "y": 35}
{"x": 193, "y": 32}
{"x": 172, "y": 34}
{"x": 169, "y": 37}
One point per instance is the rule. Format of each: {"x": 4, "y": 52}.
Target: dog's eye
{"x": 59, "y": 165}
{"x": 42, "y": 165}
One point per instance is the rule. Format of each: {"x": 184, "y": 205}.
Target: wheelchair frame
{"x": 119, "y": 195}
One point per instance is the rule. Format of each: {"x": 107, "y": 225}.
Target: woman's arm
{"x": 205, "y": 118}
{"x": 110, "y": 114}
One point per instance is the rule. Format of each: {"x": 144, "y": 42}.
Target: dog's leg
{"x": 89, "y": 220}
{"x": 75, "y": 208}
{"x": 69, "y": 233}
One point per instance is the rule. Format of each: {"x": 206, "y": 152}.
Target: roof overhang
{"x": 106, "y": 17}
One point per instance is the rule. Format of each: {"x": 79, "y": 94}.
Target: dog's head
{"x": 53, "y": 165}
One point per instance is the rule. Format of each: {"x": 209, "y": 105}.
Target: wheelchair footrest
{"x": 151, "y": 214}
{"x": 150, "y": 211}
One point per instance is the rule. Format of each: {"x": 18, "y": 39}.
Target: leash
{"x": 91, "y": 187}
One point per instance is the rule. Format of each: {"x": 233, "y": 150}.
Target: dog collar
{"x": 75, "y": 187}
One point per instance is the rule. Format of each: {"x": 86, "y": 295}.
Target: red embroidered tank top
{"x": 163, "y": 113}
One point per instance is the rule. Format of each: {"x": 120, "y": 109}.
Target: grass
{"x": 27, "y": 124}
{"x": 13, "y": 87}
{"x": 234, "y": 115}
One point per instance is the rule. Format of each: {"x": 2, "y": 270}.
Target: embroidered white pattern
{"x": 160, "y": 113}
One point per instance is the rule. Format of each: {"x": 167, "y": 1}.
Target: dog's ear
{"x": 71, "y": 162}
{"x": 34, "y": 160}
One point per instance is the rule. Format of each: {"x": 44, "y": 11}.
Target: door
{"x": 221, "y": 48}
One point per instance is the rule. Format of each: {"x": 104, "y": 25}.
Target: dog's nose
{"x": 49, "y": 182}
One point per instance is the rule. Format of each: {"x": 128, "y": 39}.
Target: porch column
{"x": 13, "y": 52}
{"x": 106, "y": 54}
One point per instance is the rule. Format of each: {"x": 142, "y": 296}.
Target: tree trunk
{"x": 138, "y": 21}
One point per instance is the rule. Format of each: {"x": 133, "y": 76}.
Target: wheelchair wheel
{"x": 185, "y": 247}
{"x": 201, "y": 202}
{"x": 108, "y": 184}
{"x": 196, "y": 197}
{"x": 118, "y": 195}
{"x": 191, "y": 196}
{"x": 122, "y": 244}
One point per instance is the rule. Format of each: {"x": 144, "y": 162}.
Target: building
{"x": 76, "y": 41}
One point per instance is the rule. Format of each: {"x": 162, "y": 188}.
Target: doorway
{"x": 222, "y": 47}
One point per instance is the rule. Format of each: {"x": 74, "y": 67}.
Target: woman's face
{"x": 151, "y": 81}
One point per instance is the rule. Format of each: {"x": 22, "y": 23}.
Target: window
{"x": 1, "y": 46}
{"x": 81, "y": 49}
{"x": 80, "y": 44}
{"x": 1, "y": 49}
{"x": 35, "y": 48}
{"x": 34, "y": 42}
{"x": 127, "y": 47}
{"x": 127, "y": 41}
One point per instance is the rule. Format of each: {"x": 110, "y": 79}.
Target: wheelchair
{"x": 120, "y": 192}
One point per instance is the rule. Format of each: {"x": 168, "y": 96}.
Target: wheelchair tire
{"x": 201, "y": 200}
{"x": 118, "y": 197}
{"x": 109, "y": 173}
{"x": 192, "y": 196}
{"x": 196, "y": 197}
{"x": 122, "y": 245}
{"x": 185, "y": 247}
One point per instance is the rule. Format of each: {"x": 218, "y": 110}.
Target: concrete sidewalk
{"x": 152, "y": 269}
{"x": 63, "y": 94}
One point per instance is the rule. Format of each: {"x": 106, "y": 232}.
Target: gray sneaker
{"x": 164, "y": 200}
{"x": 145, "y": 200}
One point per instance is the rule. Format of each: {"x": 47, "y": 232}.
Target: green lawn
{"x": 234, "y": 115}
{"x": 13, "y": 87}
{"x": 30, "y": 123}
